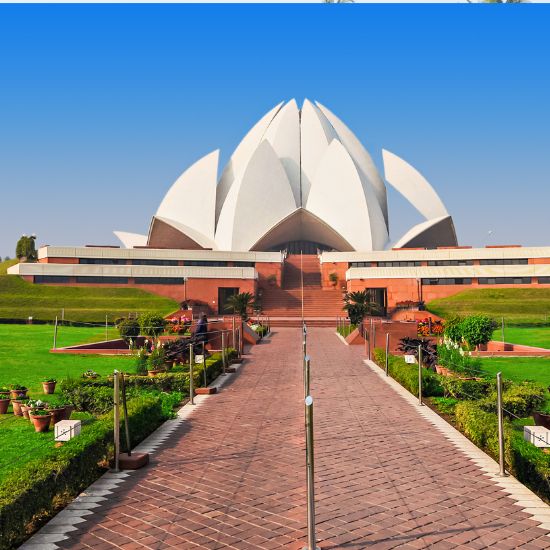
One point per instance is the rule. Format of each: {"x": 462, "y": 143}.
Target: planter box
{"x": 539, "y": 436}
{"x": 206, "y": 391}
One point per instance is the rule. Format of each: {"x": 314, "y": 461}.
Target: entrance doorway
{"x": 380, "y": 297}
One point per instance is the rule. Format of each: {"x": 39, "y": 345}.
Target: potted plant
{"x": 333, "y": 278}
{"x": 155, "y": 362}
{"x": 4, "y": 392}
{"x": 48, "y": 385}
{"x": 57, "y": 410}
{"x": 272, "y": 280}
{"x": 90, "y": 375}
{"x": 17, "y": 391}
{"x": 41, "y": 419}
{"x": 4, "y": 403}
{"x": 27, "y": 406}
{"x": 16, "y": 405}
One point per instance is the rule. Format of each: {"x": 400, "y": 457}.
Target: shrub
{"x": 152, "y": 324}
{"x": 453, "y": 329}
{"x": 407, "y": 375}
{"x": 466, "y": 389}
{"x": 155, "y": 361}
{"x": 33, "y": 489}
{"x": 477, "y": 329}
{"x": 128, "y": 329}
{"x": 141, "y": 362}
{"x": 358, "y": 304}
{"x": 455, "y": 359}
{"x": 410, "y": 346}
{"x": 519, "y": 399}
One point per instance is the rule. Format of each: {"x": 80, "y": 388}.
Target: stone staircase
{"x": 321, "y": 307}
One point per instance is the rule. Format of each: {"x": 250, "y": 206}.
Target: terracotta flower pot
{"x": 68, "y": 411}
{"x": 48, "y": 387}
{"x": 18, "y": 394}
{"x": 439, "y": 369}
{"x": 153, "y": 372}
{"x": 57, "y": 415}
{"x": 41, "y": 422}
{"x": 16, "y": 407}
{"x": 25, "y": 411}
{"x": 542, "y": 419}
{"x": 4, "y": 404}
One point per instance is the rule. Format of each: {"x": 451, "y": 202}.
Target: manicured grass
{"x": 528, "y": 336}
{"x": 519, "y": 369}
{"x": 25, "y": 357}
{"x": 20, "y": 299}
{"x": 516, "y": 305}
{"x": 20, "y": 442}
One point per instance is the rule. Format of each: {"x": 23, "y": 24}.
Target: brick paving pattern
{"x": 233, "y": 476}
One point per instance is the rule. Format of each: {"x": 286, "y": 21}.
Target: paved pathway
{"x": 233, "y": 476}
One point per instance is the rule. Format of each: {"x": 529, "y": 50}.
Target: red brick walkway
{"x": 233, "y": 475}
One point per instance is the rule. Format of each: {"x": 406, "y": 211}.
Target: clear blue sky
{"x": 103, "y": 106}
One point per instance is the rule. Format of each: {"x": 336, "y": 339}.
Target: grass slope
{"x": 519, "y": 368}
{"x": 516, "y": 305}
{"x": 25, "y": 357}
{"x": 20, "y": 299}
{"x": 528, "y": 336}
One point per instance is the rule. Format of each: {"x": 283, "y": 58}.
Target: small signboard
{"x": 198, "y": 359}
{"x": 410, "y": 359}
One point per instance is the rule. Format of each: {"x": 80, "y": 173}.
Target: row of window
{"x": 511, "y": 261}
{"x": 485, "y": 281}
{"x": 109, "y": 280}
{"x": 202, "y": 263}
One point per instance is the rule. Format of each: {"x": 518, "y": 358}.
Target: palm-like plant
{"x": 358, "y": 304}
{"x": 241, "y": 303}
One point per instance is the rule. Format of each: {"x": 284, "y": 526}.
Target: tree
{"x": 241, "y": 303}
{"x": 477, "y": 329}
{"x": 453, "y": 329}
{"x": 128, "y": 329}
{"x": 152, "y": 324}
{"x": 7, "y": 259}
{"x": 25, "y": 249}
{"x": 358, "y": 304}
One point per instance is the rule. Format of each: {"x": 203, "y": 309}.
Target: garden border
{"x": 528, "y": 501}
{"x": 81, "y": 508}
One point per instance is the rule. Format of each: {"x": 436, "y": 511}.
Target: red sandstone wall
{"x": 339, "y": 268}
{"x": 269, "y": 268}
{"x": 58, "y": 260}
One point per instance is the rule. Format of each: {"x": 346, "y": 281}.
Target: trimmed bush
{"x": 407, "y": 375}
{"x": 519, "y": 399}
{"x": 466, "y": 389}
{"x": 34, "y": 491}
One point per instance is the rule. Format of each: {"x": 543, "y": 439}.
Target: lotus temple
{"x": 300, "y": 201}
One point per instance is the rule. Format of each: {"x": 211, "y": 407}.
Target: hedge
{"x": 407, "y": 374}
{"x": 96, "y": 396}
{"x": 527, "y": 463}
{"x": 34, "y": 491}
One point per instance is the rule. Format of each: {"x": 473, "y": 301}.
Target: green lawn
{"x": 20, "y": 442}
{"x": 25, "y": 357}
{"x": 519, "y": 368}
{"x": 516, "y": 305}
{"x": 528, "y": 336}
{"x": 20, "y": 299}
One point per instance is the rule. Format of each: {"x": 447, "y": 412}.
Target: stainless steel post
{"x": 223, "y": 353}
{"x": 420, "y": 375}
{"x": 387, "y": 353}
{"x": 306, "y": 375}
{"x": 116, "y": 419}
{"x": 233, "y": 342}
{"x": 373, "y": 338}
{"x": 502, "y": 330}
{"x": 204, "y": 365}
{"x": 502, "y": 471}
{"x": 239, "y": 341}
{"x": 106, "y": 329}
{"x": 191, "y": 361}
{"x": 310, "y": 479}
{"x": 55, "y": 334}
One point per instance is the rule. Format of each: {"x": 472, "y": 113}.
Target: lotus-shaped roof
{"x": 298, "y": 175}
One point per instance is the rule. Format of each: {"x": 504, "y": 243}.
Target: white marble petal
{"x": 316, "y": 133}
{"x": 130, "y": 240}
{"x": 284, "y": 136}
{"x": 192, "y": 198}
{"x": 256, "y": 202}
{"x": 338, "y": 197}
{"x": 241, "y": 156}
{"x": 361, "y": 157}
{"x": 413, "y": 186}
{"x": 429, "y": 234}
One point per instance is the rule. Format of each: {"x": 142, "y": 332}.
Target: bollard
{"x": 55, "y": 334}
{"x": 125, "y": 411}
{"x": 420, "y": 375}
{"x": 503, "y": 330}
{"x": 233, "y": 342}
{"x": 116, "y": 418}
{"x": 191, "y": 389}
{"x": 306, "y": 375}
{"x": 239, "y": 342}
{"x": 373, "y": 339}
{"x": 387, "y": 353}
{"x": 310, "y": 480}
{"x": 502, "y": 471}
{"x": 223, "y": 354}
{"x": 106, "y": 329}
{"x": 204, "y": 364}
